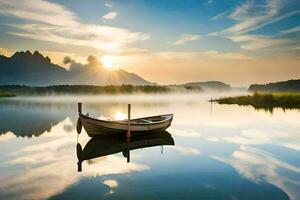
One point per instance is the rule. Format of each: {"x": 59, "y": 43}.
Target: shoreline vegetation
{"x": 22, "y": 90}
{"x": 25, "y": 90}
{"x": 266, "y": 101}
{"x": 283, "y": 94}
{"x": 6, "y": 94}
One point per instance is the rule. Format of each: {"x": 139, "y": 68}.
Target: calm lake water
{"x": 220, "y": 151}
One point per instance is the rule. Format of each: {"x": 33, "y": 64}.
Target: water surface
{"x": 220, "y": 151}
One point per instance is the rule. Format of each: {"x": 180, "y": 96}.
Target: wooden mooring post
{"x": 79, "y": 108}
{"x": 128, "y": 134}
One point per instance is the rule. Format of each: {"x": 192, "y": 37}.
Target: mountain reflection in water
{"x": 106, "y": 145}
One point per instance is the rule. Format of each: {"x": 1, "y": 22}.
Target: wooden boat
{"x": 95, "y": 127}
{"x": 107, "y": 144}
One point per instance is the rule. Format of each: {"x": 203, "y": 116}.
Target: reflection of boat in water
{"x": 96, "y": 127}
{"x": 106, "y": 145}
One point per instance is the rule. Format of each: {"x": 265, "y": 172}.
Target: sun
{"x": 107, "y": 62}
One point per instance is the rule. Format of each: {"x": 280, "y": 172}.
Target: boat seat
{"x": 148, "y": 121}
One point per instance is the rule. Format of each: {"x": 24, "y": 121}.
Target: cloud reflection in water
{"x": 261, "y": 166}
{"x": 48, "y": 166}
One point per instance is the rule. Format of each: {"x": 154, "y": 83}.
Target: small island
{"x": 265, "y": 100}
{"x": 269, "y": 96}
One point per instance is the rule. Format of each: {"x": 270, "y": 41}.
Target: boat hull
{"x": 95, "y": 127}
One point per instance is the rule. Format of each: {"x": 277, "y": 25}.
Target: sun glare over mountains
{"x": 239, "y": 42}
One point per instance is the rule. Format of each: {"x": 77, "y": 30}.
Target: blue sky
{"x": 199, "y": 40}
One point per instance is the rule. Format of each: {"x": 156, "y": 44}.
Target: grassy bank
{"x": 6, "y": 94}
{"x": 82, "y": 89}
{"x": 265, "y": 100}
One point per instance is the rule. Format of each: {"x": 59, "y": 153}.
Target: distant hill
{"x": 283, "y": 86}
{"x": 34, "y": 69}
{"x": 209, "y": 86}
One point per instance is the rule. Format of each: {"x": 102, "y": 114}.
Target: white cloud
{"x": 295, "y": 146}
{"x": 42, "y": 24}
{"x": 108, "y": 5}
{"x": 110, "y": 15}
{"x": 296, "y": 48}
{"x": 210, "y": 1}
{"x": 185, "y": 132}
{"x": 227, "y": 55}
{"x": 219, "y": 16}
{"x": 213, "y": 139}
{"x": 40, "y": 11}
{"x": 275, "y": 19}
{"x": 111, "y": 183}
{"x": 175, "y": 55}
{"x": 183, "y": 150}
{"x": 57, "y": 57}
{"x": 292, "y": 30}
{"x": 187, "y": 38}
{"x": 256, "y": 137}
{"x": 252, "y": 42}
{"x": 251, "y": 16}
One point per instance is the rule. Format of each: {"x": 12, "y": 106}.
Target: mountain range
{"x": 28, "y": 68}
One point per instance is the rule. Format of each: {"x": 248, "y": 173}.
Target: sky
{"x": 166, "y": 41}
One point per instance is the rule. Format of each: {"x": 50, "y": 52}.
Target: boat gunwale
{"x": 168, "y": 117}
